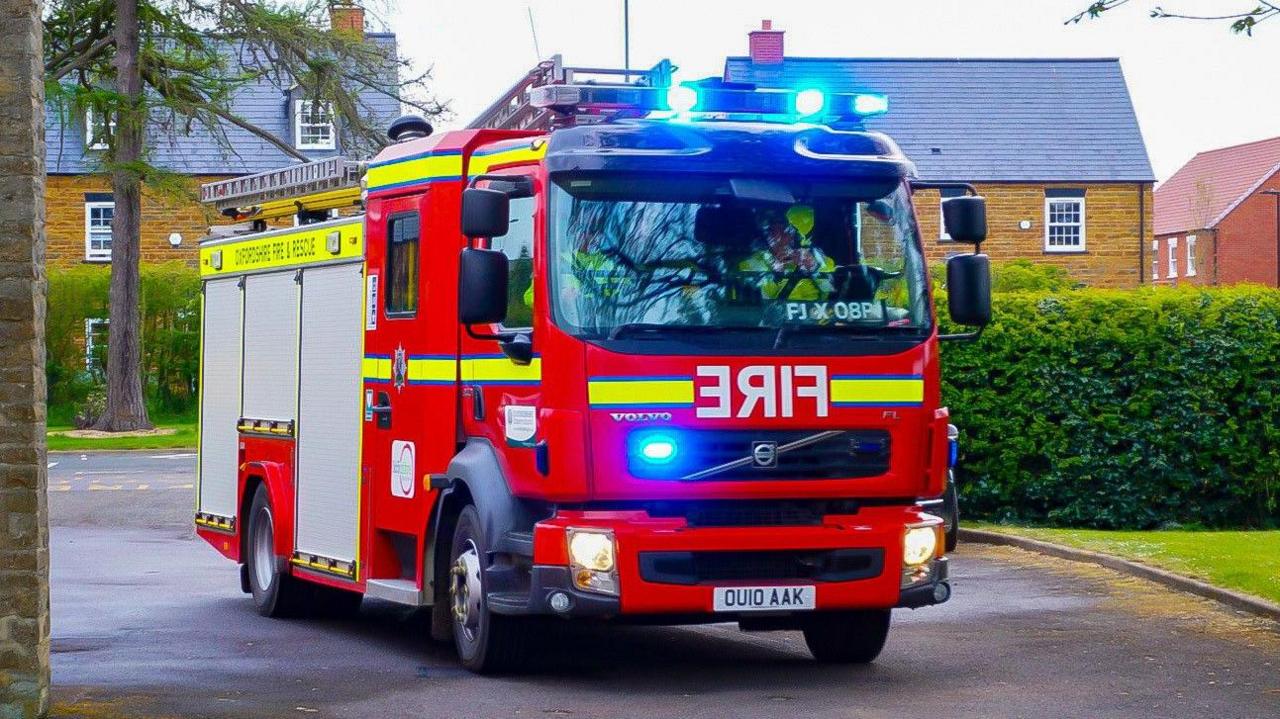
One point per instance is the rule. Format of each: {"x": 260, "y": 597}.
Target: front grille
{"x": 729, "y": 455}
{"x": 752, "y": 513}
{"x": 834, "y": 565}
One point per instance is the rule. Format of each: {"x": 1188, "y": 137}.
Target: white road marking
{"x": 52, "y": 465}
{"x": 172, "y": 456}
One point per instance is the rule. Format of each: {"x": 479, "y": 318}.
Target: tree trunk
{"x": 126, "y": 409}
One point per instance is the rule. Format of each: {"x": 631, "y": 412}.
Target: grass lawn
{"x": 1243, "y": 561}
{"x": 183, "y": 438}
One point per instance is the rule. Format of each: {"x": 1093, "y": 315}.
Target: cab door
{"x": 410, "y": 377}
{"x": 505, "y": 397}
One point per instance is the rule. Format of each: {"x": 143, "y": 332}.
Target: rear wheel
{"x": 486, "y": 642}
{"x": 847, "y": 637}
{"x": 275, "y": 593}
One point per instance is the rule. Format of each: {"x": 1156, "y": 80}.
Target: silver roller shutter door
{"x": 271, "y": 346}
{"x": 220, "y": 398}
{"x": 329, "y": 412}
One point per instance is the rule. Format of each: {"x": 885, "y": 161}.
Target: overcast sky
{"x": 1195, "y": 86}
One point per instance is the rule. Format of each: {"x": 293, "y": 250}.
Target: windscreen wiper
{"x": 652, "y": 329}
{"x": 877, "y": 333}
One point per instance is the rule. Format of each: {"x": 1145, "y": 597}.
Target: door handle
{"x": 382, "y": 411}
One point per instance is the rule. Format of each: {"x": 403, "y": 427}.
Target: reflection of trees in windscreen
{"x": 636, "y": 262}
{"x": 882, "y": 247}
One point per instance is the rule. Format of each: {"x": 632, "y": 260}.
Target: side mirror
{"x": 485, "y": 213}
{"x": 969, "y": 289}
{"x": 966, "y": 218}
{"x": 482, "y": 286}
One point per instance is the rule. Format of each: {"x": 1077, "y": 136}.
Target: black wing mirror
{"x": 482, "y": 286}
{"x": 966, "y": 218}
{"x": 485, "y": 212}
{"x": 969, "y": 291}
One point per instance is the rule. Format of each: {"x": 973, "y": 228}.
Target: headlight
{"x": 919, "y": 545}
{"x": 591, "y": 550}
{"x": 594, "y": 566}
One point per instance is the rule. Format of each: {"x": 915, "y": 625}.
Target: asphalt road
{"x": 149, "y": 621}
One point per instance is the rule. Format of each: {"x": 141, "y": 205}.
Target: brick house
{"x": 78, "y": 195}
{"x": 1053, "y": 144}
{"x": 1218, "y": 218}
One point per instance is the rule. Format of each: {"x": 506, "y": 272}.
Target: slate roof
{"x": 994, "y": 120}
{"x": 1206, "y": 189}
{"x": 266, "y": 104}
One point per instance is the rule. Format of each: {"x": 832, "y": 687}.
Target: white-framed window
{"x": 95, "y": 343}
{"x": 97, "y": 132}
{"x": 97, "y": 230}
{"x": 1064, "y": 225}
{"x": 313, "y": 125}
{"x": 1155, "y": 260}
{"x": 945, "y": 195}
{"x": 1173, "y": 258}
{"x": 1191, "y": 256}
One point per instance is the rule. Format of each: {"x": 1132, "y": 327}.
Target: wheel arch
{"x": 274, "y": 477}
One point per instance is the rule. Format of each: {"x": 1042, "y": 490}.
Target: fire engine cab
{"x": 625, "y": 349}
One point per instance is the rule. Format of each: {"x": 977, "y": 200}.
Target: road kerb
{"x": 1235, "y": 600}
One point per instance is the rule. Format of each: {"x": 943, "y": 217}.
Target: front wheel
{"x": 847, "y": 637}
{"x": 487, "y": 643}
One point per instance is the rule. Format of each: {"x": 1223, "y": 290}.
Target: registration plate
{"x": 764, "y": 599}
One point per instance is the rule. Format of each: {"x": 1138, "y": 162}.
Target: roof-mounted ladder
{"x": 514, "y": 111}
{"x": 316, "y": 186}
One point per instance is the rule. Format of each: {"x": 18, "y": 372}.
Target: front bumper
{"x": 864, "y": 569}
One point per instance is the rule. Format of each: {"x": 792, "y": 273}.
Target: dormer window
{"x": 313, "y": 125}
{"x": 98, "y": 130}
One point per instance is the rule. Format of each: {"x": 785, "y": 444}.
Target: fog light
{"x": 919, "y": 545}
{"x": 560, "y": 602}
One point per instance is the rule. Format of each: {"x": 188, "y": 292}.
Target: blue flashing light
{"x": 681, "y": 98}
{"x": 810, "y": 102}
{"x": 871, "y": 104}
{"x": 953, "y": 452}
{"x": 658, "y": 449}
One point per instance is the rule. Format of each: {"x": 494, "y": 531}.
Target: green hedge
{"x": 1122, "y": 409}
{"x": 170, "y": 337}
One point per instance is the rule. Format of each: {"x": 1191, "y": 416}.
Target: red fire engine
{"x": 624, "y": 349}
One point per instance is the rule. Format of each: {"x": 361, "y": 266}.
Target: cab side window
{"x": 517, "y": 245}
{"x": 402, "y": 264}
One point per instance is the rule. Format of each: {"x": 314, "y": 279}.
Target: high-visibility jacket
{"x": 774, "y": 275}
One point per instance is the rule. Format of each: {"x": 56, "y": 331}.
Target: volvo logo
{"x": 764, "y": 454}
{"x": 640, "y": 416}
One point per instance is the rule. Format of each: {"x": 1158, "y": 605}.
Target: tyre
{"x": 487, "y": 643}
{"x": 275, "y": 593}
{"x": 951, "y": 502}
{"x": 847, "y": 637}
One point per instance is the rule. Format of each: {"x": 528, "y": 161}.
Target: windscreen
{"x": 782, "y": 263}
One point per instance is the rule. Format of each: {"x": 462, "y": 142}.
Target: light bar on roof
{"x": 693, "y": 100}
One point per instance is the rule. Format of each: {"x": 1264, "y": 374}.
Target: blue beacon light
{"x": 658, "y": 449}
{"x": 681, "y": 98}
{"x": 871, "y": 104}
{"x": 810, "y": 102}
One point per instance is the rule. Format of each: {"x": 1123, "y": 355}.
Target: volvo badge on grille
{"x": 764, "y": 454}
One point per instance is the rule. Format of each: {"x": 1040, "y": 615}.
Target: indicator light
{"x": 871, "y": 104}
{"x": 810, "y": 102}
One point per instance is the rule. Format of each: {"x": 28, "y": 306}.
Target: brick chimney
{"x": 346, "y": 17}
{"x": 766, "y": 44}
